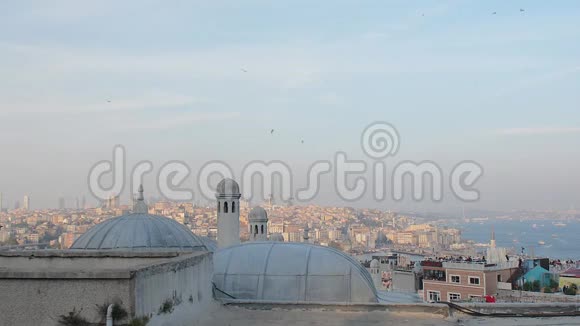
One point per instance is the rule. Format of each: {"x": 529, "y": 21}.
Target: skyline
{"x": 200, "y": 82}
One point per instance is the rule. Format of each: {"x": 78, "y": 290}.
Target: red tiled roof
{"x": 571, "y": 272}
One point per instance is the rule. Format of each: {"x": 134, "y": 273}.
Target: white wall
{"x": 187, "y": 283}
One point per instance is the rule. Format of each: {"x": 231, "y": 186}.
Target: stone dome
{"x": 228, "y": 187}
{"x": 277, "y": 237}
{"x": 290, "y": 272}
{"x": 374, "y": 263}
{"x": 142, "y": 232}
{"x": 258, "y": 214}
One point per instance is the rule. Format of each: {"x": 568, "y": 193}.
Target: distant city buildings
{"x": 26, "y": 201}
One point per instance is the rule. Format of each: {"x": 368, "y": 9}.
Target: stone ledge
{"x": 437, "y": 309}
{"x": 65, "y": 274}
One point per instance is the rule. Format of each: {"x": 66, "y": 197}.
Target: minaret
{"x": 492, "y": 242}
{"x": 140, "y": 207}
{"x": 228, "y": 213}
{"x": 258, "y": 221}
{"x": 376, "y": 274}
{"x": 306, "y": 235}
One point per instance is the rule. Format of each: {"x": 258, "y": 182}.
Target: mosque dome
{"x": 143, "y": 232}
{"x": 374, "y": 263}
{"x": 291, "y": 272}
{"x": 139, "y": 231}
{"x": 277, "y": 237}
{"x": 258, "y": 214}
{"x": 228, "y": 187}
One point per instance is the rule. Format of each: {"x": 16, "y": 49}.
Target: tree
{"x": 536, "y": 286}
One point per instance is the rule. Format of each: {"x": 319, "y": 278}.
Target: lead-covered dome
{"x": 142, "y": 232}
{"x": 258, "y": 214}
{"x": 228, "y": 187}
{"x": 291, "y": 272}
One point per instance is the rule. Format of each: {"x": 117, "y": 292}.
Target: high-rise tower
{"x": 228, "y": 216}
{"x": 26, "y": 204}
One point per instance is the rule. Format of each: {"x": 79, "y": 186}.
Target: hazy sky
{"x": 207, "y": 80}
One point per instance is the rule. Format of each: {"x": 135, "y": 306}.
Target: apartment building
{"x": 456, "y": 281}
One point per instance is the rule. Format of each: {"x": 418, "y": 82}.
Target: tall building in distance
{"x": 61, "y": 203}
{"x": 112, "y": 202}
{"x": 26, "y": 204}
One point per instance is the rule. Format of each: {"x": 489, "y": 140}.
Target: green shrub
{"x": 548, "y": 289}
{"x": 536, "y": 286}
{"x": 73, "y": 319}
{"x": 554, "y": 285}
{"x": 571, "y": 289}
{"x": 141, "y": 321}
{"x": 166, "y": 307}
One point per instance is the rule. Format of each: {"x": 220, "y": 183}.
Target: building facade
{"x": 460, "y": 281}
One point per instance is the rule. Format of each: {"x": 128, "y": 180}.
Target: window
{"x": 219, "y": 207}
{"x": 233, "y": 207}
{"x": 454, "y": 296}
{"x": 499, "y": 277}
{"x": 262, "y": 229}
{"x": 473, "y": 280}
{"x": 256, "y": 229}
{"x": 225, "y": 207}
{"x": 434, "y": 296}
{"x": 434, "y": 275}
{"x": 455, "y": 279}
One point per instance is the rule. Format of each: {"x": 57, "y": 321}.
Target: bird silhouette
{"x": 244, "y": 70}
{"x": 302, "y": 141}
{"x": 522, "y": 10}
{"x": 271, "y": 131}
{"x": 495, "y": 12}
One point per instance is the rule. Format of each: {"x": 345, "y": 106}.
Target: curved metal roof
{"x": 291, "y": 272}
{"x": 140, "y": 232}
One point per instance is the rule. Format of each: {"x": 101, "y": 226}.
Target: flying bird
{"x": 302, "y": 141}
{"x": 108, "y": 101}
{"x": 271, "y": 131}
{"x": 522, "y": 10}
{"x": 495, "y": 12}
{"x": 244, "y": 70}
